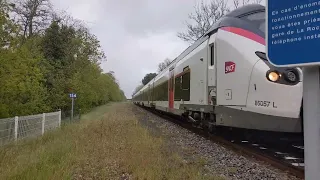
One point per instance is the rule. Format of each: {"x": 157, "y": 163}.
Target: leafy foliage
{"x": 38, "y": 73}
{"x": 148, "y": 77}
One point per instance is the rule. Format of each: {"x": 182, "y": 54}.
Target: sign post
{"x": 293, "y": 40}
{"x": 72, "y": 96}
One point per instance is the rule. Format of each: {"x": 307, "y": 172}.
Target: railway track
{"x": 286, "y": 159}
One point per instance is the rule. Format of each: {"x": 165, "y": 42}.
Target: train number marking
{"x": 274, "y": 106}
{"x": 264, "y": 103}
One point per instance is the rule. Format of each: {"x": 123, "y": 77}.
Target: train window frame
{"x": 212, "y": 54}
{"x": 254, "y": 17}
{"x": 185, "y": 82}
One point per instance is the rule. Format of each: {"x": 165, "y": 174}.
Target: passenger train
{"x": 225, "y": 80}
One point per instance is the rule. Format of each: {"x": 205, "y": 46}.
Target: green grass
{"x": 106, "y": 143}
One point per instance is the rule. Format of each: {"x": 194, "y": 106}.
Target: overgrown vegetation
{"x": 106, "y": 144}
{"x": 45, "y": 56}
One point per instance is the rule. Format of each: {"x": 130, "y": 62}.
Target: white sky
{"x": 135, "y": 35}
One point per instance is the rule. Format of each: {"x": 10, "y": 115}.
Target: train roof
{"x": 250, "y": 8}
{"x": 226, "y": 20}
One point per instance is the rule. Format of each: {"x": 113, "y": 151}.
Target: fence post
{"x": 43, "y": 121}
{"x": 59, "y": 120}
{"x": 16, "y": 121}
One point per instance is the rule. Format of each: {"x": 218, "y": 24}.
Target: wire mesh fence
{"x": 16, "y": 128}
{"x": 66, "y": 115}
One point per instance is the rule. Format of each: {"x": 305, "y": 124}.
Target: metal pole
{"x": 311, "y": 121}
{"x": 16, "y": 125}
{"x": 59, "y": 120}
{"x": 43, "y": 122}
{"x": 72, "y": 109}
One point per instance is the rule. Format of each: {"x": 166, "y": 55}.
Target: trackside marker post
{"x": 293, "y": 40}
{"x": 72, "y": 96}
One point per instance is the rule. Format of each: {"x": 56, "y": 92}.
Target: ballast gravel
{"x": 219, "y": 161}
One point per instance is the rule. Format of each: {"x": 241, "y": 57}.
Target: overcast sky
{"x": 136, "y": 35}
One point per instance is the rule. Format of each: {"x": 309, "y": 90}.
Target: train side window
{"x": 212, "y": 54}
{"x": 186, "y": 81}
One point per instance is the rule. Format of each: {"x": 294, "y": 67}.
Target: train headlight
{"x": 273, "y": 76}
{"x": 291, "y": 76}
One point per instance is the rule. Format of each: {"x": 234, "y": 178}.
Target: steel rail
{"x": 242, "y": 150}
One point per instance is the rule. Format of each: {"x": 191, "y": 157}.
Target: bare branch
{"x": 65, "y": 19}
{"x": 204, "y": 16}
{"x": 32, "y": 15}
{"x": 236, "y": 3}
{"x": 164, "y": 64}
{"x": 257, "y": 1}
{"x": 239, "y": 3}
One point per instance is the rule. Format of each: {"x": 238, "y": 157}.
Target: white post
{"x": 72, "y": 101}
{"x": 59, "y": 120}
{"x": 311, "y": 121}
{"x": 43, "y": 122}
{"x": 16, "y": 121}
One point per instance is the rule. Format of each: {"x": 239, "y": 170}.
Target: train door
{"x": 149, "y": 93}
{"x": 212, "y": 73}
{"x": 171, "y": 88}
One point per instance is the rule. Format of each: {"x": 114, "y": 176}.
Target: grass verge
{"x": 108, "y": 143}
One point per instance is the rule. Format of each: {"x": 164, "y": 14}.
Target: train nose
{"x": 292, "y": 76}
{"x": 300, "y": 74}
{"x": 280, "y": 75}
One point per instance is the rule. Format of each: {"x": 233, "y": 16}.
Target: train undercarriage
{"x": 207, "y": 122}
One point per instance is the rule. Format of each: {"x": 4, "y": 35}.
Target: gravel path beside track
{"x": 217, "y": 160}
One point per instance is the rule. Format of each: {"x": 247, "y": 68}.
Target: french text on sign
{"x": 293, "y": 35}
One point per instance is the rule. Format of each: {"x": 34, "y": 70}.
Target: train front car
{"x": 251, "y": 93}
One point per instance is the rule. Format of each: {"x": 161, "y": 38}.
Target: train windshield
{"x": 258, "y": 20}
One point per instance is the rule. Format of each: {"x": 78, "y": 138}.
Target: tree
{"x": 22, "y": 91}
{"x": 148, "y": 77}
{"x": 205, "y": 15}
{"x": 73, "y": 57}
{"x": 164, "y": 65}
{"x": 239, "y": 3}
{"x": 8, "y": 29}
{"x": 53, "y": 44}
{"x": 33, "y": 15}
{"x": 65, "y": 19}
{"x": 38, "y": 73}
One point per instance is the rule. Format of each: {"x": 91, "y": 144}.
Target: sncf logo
{"x": 230, "y": 67}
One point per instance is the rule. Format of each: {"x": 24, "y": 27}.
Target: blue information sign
{"x": 72, "y": 95}
{"x": 293, "y": 32}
